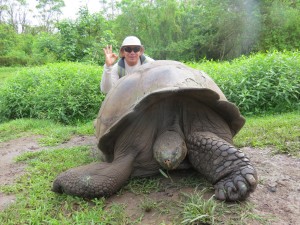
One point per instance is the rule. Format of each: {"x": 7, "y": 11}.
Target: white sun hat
{"x": 131, "y": 40}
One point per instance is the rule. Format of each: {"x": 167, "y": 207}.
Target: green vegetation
{"x": 53, "y": 133}
{"x": 64, "y": 92}
{"x": 183, "y": 30}
{"x": 259, "y": 83}
{"x": 37, "y": 204}
{"x": 281, "y": 132}
{"x": 199, "y": 210}
{"x": 6, "y": 72}
{"x": 69, "y": 92}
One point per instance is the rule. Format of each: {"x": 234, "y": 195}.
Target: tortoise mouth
{"x": 170, "y": 164}
{"x": 170, "y": 158}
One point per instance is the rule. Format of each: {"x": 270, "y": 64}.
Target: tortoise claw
{"x": 220, "y": 194}
{"x": 237, "y": 186}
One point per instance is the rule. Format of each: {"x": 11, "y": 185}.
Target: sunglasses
{"x": 130, "y": 49}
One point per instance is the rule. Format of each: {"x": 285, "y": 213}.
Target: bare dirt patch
{"x": 277, "y": 196}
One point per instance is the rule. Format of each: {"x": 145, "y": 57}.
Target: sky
{"x": 71, "y": 7}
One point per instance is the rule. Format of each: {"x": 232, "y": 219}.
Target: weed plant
{"x": 63, "y": 92}
{"x": 198, "y": 210}
{"x": 260, "y": 83}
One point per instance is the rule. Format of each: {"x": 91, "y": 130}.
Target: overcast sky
{"x": 72, "y": 6}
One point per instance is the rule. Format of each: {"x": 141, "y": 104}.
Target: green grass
{"x": 148, "y": 204}
{"x": 143, "y": 185}
{"x": 6, "y": 72}
{"x": 197, "y": 209}
{"x": 52, "y": 133}
{"x": 37, "y": 204}
{"x": 281, "y": 132}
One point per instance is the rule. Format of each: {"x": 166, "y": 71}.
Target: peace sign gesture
{"x": 110, "y": 57}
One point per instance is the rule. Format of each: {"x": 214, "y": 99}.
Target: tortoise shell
{"x": 151, "y": 83}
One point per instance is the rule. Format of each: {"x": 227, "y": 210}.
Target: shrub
{"x": 64, "y": 92}
{"x": 12, "y": 61}
{"x": 259, "y": 83}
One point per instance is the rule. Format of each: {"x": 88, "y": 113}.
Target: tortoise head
{"x": 169, "y": 149}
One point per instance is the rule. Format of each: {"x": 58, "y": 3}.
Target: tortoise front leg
{"x": 230, "y": 171}
{"x": 95, "y": 179}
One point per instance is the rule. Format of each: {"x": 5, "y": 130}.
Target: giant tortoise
{"x": 165, "y": 115}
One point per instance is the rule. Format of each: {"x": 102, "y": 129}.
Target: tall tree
{"x": 281, "y": 30}
{"x": 8, "y": 38}
{"x": 3, "y": 8}
{"x": 84, "y": 38}
{"x": 152, "y": 21}
{"x": 15, "y": 13}
{"x": 49, "y": 12}
{"x": 23, "y": 12}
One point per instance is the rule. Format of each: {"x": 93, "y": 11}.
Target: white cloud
{"x": 72, "y": 6}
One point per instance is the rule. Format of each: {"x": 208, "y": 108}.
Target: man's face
{"x": 132, "y": 54}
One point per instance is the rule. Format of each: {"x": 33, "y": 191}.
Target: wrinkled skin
{"x": 191, "y": 125}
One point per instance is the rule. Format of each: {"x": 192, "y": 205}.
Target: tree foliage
{"x": 281, "y": 30}
{"x": 184, "y": 30}
{"x": 48, "y": 13}
{"x": 84, "y": 38}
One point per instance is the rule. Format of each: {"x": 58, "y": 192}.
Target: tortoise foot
{"x": 237, "y": 186}
{"x": 93, "y": 180}
{"x": 226, "y": 167}
{"x": 87, "y": 181}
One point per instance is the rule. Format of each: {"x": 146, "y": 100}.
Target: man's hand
{"x": 110, "y": 57}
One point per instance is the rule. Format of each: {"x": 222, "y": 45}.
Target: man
{"x": 132, "y": 56}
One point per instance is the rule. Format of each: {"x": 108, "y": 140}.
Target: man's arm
{"x": 109, "y": 77}
{"x": 110, "y": 71}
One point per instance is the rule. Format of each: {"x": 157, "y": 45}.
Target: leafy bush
{"x": 45, "y": 49}
{"x": 12, "y": 61}
{"x": 64, "y": 92}
{"x": 259, "y": 83}
{"x": 69, "y": 92}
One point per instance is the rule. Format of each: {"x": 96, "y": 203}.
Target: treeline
{"x": 184, "y": 30}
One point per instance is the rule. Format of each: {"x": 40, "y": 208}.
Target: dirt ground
{"x": 276, "y": 197}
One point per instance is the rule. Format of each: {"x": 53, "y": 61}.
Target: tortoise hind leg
{"x": 95, "y": 179}
{"x": 227, "y": 168}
